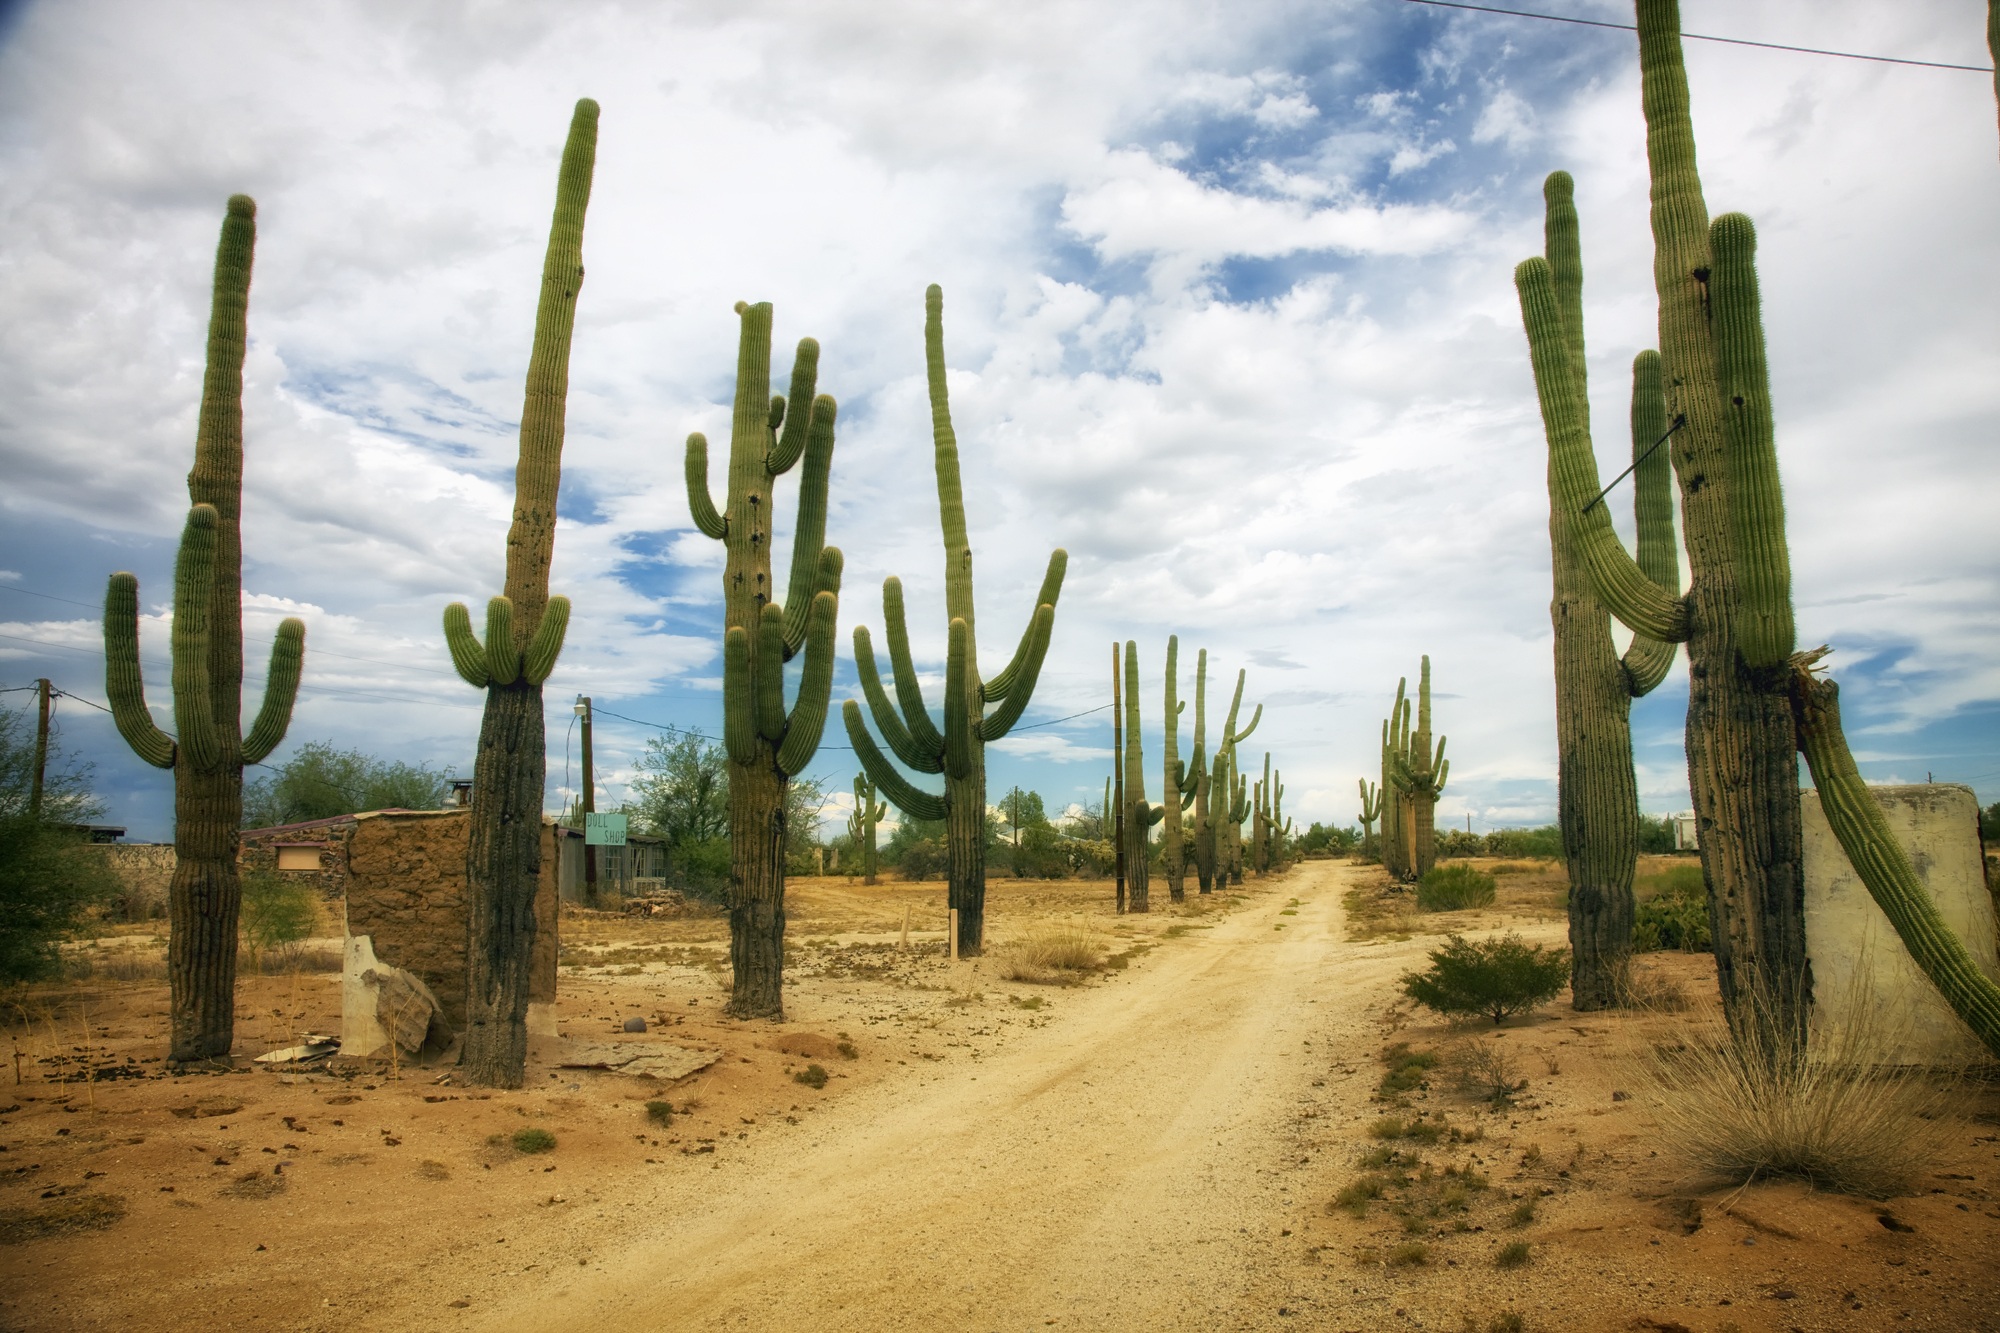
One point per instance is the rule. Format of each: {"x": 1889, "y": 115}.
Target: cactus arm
{"x": 796, "y": 438}
{"x": 1150, "y": 815}
{"x": 194, "y": 591}
{"x": 700, "y": 505}
{"x": 547, "y": 645}
{"x": 1002, "y": 685}
{"x": 468, "y": 655}
{"x": 1877, "y": 857}
{"x": 1187, "y": 777}
{"x": 768, "y": 672}
{"x": 1003, "y": 719}
{"x": 925, "y": 760}
{"x": 912, "y": 801}
{"x": 809, "y": 572}
{"x": 1620, "y": 584}
{"x": 908, "y": 693}
{"x": 124, "y": 686}
{"x": 1647, "y": 661}
{"x": 1764, "y": 628}
{"x": 1255, "y": 717}
{"x": 808, "y": 720}
{"x": 1187, "y": 799}
{"x": 739, "y": 706}
{"x": 281, "y": 691}
{"x": 958, "y": 724}
{"x": 951, "y": 495}
{"x": 503, "y": 659}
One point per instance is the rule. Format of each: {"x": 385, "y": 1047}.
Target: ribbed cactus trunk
{"x": 1423, "y": 793}
{"x": 1139, "y": 815}
{"x": 208, "y": 753}
{"x": 504, "y": 850}
{"x": 1176, "y": 781}
{"x": 1203, "y": 837}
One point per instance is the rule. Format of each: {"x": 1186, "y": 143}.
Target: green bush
{"x": 1675, "y": 913}
{"x": 533, "y": 1140}
{"x": 813, "y": 1076}
{"x": 1493, "y": 977}
{"x": 922, "y": 859}
{"x": 660, "y": 1113}
{"x": 1545, "y": 841}
{"x": 1457, "y": 842}
{"x": 276, "y": 911}
{"x": 1449, "y": 888}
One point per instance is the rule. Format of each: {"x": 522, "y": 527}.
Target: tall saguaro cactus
{"x": 1422, "y": 772}
{"x": 208, "y": 750}
{"x": 768, "y": 744}
{"x": 1597, "y": 793}
{"x": 1228, "y": 802}
{"x": 1199, "y": 844}
{"x": 1140, "y": 816}
{"x": 959, "y": 751}
{"x": 524, "y": 636}
{"x": 1178, "y": 780}
{"x": 868, "y": 812}
{"x": 1371, "y": 808}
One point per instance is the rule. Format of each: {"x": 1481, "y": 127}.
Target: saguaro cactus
{"x": 959, "y": 753}
{"x": 1139, "y": 815}
{"x": 767, "y": 743}
{"x": 868, "y": 812}
{"x": 1597, "y": 794}
{"x": 1199, "y": 840}
{"x": 208, "y": 751}
{"x": 1228, "y": 801}
{"x": 524, "y": 636}
{"x": 1423, "y": 773}
{"x": 1371, "y": 809}
{"x": 1178, "y": 780}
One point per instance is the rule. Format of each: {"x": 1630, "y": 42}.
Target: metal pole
{"x": 41, "y": 747}
{"x": 589, "y": 808}
{"x": 1118, "y": 769}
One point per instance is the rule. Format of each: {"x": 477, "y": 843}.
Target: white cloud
{"x": 1507, "y": 119}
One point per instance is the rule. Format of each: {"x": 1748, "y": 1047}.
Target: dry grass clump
{"x": 1483, "y": 1071}
{"x": 1843, "y": 1115}
{"x": 1061, "y": 954}
{"x": 76, "y": 1212}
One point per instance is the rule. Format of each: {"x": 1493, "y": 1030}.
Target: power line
{"x": 1701, "y": 37}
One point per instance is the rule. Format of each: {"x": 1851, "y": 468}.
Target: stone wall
{"x": 146, "y": 869}
{"x": 406, "y": 891}
{"x": 257, "y": 850}
{"x": 1860, "y": 968}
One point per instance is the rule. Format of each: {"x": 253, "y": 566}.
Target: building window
{"x": 298, "y": 858}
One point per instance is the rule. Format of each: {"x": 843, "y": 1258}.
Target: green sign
{"x": 604, "y": 830}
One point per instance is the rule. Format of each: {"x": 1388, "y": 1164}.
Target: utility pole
{"x": 1118, "y": 768}
{"x": 41, "y": 747}
{"x": 589, "y": 803}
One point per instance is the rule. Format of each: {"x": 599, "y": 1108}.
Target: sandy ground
{"x": 1161, "y": 1147}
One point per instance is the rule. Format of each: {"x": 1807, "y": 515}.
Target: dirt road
{"x": 1126, "y": 1165}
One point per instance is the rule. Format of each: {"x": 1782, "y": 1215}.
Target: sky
{"x": 1228, "y": 310}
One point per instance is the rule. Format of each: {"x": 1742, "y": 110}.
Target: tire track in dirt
{"x": 1125, "y": 1166}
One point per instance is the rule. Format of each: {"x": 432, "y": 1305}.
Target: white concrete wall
{"x": 1858, "y": 961}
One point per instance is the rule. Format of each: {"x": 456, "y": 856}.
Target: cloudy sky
{"x": 1228, "y": 306}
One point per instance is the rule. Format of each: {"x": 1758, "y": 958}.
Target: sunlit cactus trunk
{"x": 1140, "y": 816}
{"x": 1371, "y": 810}
{"x": 958, "y": 752}
{"x": 208, "y": 750}
{"x": 1203, "y": 836}
{"x": 1178, "y": 780}
{"x": 868, "y": 813}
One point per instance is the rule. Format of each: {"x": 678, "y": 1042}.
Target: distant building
{"x": 1685, "y": 839}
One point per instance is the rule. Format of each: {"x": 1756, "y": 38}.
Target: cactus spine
{"x": 1597, "y": 793}
{"x": 524, "y": 636}
{"x": 868, "y": 812}
{"x": 1179, "y": 780}
{"x": 1139, "y": 815}
{"x": 959, "y": 753}
{"x": 208, "y": 750}
{"x": 767, "y": 744}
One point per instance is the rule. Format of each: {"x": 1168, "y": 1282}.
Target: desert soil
{"x": 1162, "y": 1146}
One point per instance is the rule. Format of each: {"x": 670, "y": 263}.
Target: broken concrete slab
{"x": 380, "y": 1003}
{"x": 659, "y": 1060}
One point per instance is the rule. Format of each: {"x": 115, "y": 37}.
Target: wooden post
{"x": 951, "y": 932}
{"x": 1118, "y": 771}
{"x": 589, "y": 804}
{"x": 41, "y": 747}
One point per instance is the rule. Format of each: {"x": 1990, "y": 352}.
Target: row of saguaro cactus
{"x": 207, "y": 750}
{"x": 1754, "y": 703}
{"x": 868, "y": 813}
{"x": 1269, "y": 827}
{"x": 1414, "y": 774}
{"x": 524, "y": 635}
{"x": 959, "y": 751}
{"x": 767, "y": 742}
{"x": 1597, "y": 793}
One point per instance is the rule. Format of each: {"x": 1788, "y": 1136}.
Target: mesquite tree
{"x": 959, "y": 751}
{"x": 1753, "y": 702}
{"x": 1597, "y": 794}
{"x": 524, "y": 636}
{"x": 208, "y": 750}
{"x": 767, "y": 744}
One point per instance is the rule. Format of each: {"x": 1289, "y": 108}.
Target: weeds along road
{"x": 1125, "y": 1166}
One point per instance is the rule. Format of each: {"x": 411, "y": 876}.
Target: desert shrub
{"x": 276, "y": 912}
{"x": 1064, "y": 953}
{"x": 1484, "y": 1072}
{"x": 1409, "y": 1254}
{"x": 1513, "y": 1254}
{"x": 813, "y": 1076}
{"x": 533, "y": 1141}
{"x": 49, "y": 881}
{"x": 1675, "y": 914}
{"x": 1406, "y": 1069}
{"x": 660, "y": 1113}
{"x": 1493, "y": 977}
{"x": 1545, "y": 841}
{"x": 921, "y": 859}
{"x": 1843, "y": 1115}
{"x": 1524, "y": 1213}
{"x": 1449, "y": 888}
{"x": 1355, "y": 1196}
{"x": 1457, "y": 842}
{"x": 1656, "y": 835}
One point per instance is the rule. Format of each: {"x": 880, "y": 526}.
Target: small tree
{"x": 49, "y": 877}
{"x": 1495, "y": 977}
{"x": 319, "y": 781}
